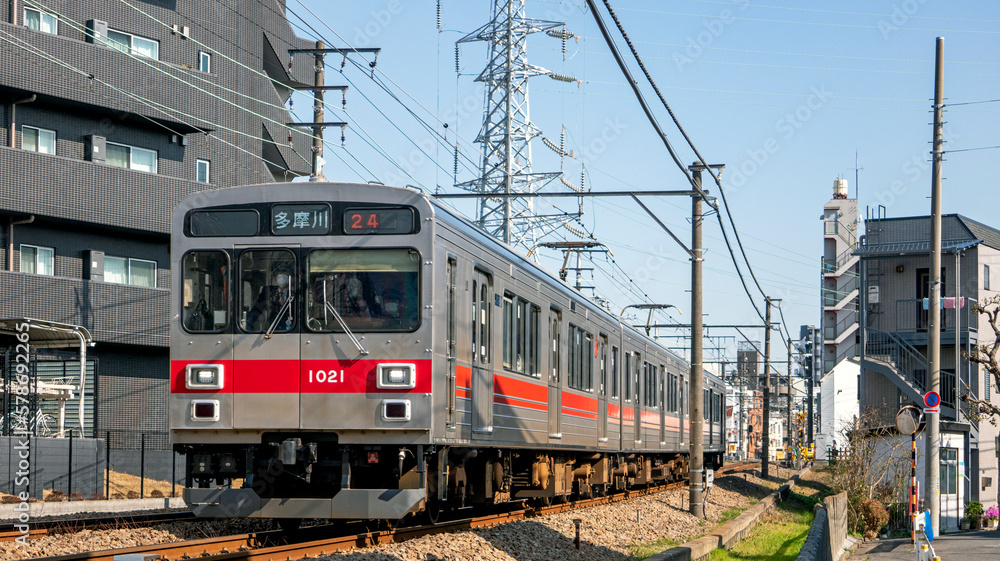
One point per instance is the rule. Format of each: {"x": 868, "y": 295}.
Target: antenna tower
{"x": 507, "y": 131}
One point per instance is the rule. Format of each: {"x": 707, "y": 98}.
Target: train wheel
{"x": 433, "y": 511}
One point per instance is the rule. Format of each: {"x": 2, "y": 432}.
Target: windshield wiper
{"x": 281, "y": 312}
{"x": 347, "y": 330}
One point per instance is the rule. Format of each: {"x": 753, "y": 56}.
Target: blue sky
{"x": 784, "y": 93}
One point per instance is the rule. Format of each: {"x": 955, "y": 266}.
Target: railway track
{"x": 309, "y": 542}
{"x": 62, "y": 526}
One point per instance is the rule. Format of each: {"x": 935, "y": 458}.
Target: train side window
{"x": 635, "y": 387}
{"x": 672, "y": 392}
{"x": 267, "y": 291}
{"x": 705, "y": 405}
{"x": 481, "y": 306}
{"x": 628, "y": 377}
{"x": 581, "y": 363}
{"x": 614, "y": 372}
{"x": 205, "y": 291}
{"x": 509, "y": 331}
{"x": 533, "y": 339}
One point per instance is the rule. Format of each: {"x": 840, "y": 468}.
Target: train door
{"x": 266, "y": 343}
{"x": 451, "y": 300}
{"x": 636, "y": 384}
{"x": 555, "y": 380}
{"x": 662, "y": 380}
{"x": 482, "y": 359}
{"x": 602, "y": 393}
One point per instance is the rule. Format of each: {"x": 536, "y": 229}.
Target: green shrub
{"x": 872, "y": 518}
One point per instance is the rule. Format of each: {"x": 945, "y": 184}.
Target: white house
{"x": 838, "y": 403}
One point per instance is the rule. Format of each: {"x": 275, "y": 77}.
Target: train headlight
{"x": 204, "y": 377}
{"x": 396, "y": 410}
{"x": 396, "y": 376}
{"x": 205, "y": 410}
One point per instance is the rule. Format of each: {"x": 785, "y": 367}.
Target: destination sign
{"x": 378, "y": 221}
{"x": 300, "y": 219}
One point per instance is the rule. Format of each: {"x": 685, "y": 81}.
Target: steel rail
{"x": 259, "y": 546}
{"x": 69, "y": 525}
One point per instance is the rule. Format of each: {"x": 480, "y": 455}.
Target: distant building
{"x": 840, "y": 391}
{"x": 841, "y": 281}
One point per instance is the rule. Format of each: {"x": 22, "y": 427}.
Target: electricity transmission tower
{"x": 505, "y": 137}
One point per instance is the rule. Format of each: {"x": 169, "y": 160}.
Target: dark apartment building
{"x": 111, "y": 112}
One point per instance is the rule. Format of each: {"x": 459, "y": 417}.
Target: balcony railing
{"x": 912, "y": 317}
{"x": 833, "y": 297}
{"x": 832, "y": 332}
{"x": 831, "y": 266}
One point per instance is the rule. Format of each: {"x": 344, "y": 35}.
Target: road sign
{"x": 932, "y": 399}
{"x": 929, "y": 410}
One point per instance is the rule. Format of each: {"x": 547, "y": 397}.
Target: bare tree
{"x": 871, "y": 466}
{"x": 979, "y": 409}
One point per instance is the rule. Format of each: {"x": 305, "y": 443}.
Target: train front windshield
{"x": 370, "y": 289}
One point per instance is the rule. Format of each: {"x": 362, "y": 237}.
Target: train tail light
{"x": 205, "y": 410}
{"x": 396, "y": 410}
{"x": 204, "y": 377}
{"x": 396, "y": 376}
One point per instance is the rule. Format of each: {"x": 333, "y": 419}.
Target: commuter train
{"x": 363, "y": 352}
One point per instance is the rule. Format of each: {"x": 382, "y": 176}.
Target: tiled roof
{"x": 989, "y": 235}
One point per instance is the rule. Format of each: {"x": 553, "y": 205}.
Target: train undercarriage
{"x": 306, "y": 476}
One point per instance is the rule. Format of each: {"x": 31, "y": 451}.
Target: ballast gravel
{"x": 606, "y": 531}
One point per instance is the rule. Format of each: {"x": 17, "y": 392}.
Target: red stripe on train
{"x": 306, "y": 376}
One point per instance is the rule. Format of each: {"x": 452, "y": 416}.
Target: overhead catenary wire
{"x": 366, "y": 137}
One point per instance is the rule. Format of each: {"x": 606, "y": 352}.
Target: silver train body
{"x": 361, "y": 351}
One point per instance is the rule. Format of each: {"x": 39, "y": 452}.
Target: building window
{"x": 37, "y": 260}
{"x": 133, "y": 44}
{"x": 130, "y": 157}
{"x": 38, "y": 140}
{"x": 122, "y": 270}
{"x": 986, "y": 277}
{"x": 40, "y": 21}
{"x": 204, "y": 61}
{"x": 204, "y": 171}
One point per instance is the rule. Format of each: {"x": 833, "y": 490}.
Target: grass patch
{"x": 729, "y": 514}
{"x": 644, "y": 550}
{"x": 779, "y": 536}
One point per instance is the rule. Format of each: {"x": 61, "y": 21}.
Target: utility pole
{"x": 766, "y": 428}
{"x": 317, "y": 147}
{"x": 788, "y": 407}
{"x": 697, "y": 492}
{"x": 932, "y": 465}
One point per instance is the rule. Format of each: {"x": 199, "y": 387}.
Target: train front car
{"x": 300, "y": 350}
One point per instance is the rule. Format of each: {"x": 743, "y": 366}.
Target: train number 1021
{"x": 326, "y": 376}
